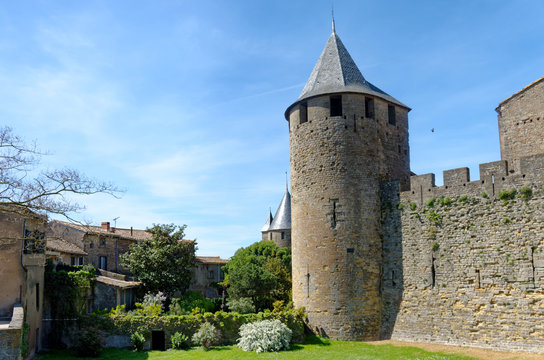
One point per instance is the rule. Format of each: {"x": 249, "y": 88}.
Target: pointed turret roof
{"x": 282, "y": 219}
{"x": 269, "y": 219}
{"x": 336, "y": 72}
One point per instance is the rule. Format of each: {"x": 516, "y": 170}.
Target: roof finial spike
{"x": 333, "y": 28}
{"x": 286, "y": 182}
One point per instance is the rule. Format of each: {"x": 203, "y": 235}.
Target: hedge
{"x": 228, "y": 323}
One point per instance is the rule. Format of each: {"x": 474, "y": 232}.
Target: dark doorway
{"x": 157, "y": 340}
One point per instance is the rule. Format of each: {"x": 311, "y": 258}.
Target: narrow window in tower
{"x": 392, "y": 115}
{"x": 533, "y": 264}
{"x": 393, "y": 278}
{"x": 369, "y": 108}
{"x": 334, "y": 214}
{"x": 336, "y": 105}
{"x": 478, "y": 278}
{"x": 282, "y": 235}
{"x": 303, "y": 109}
{"x": 37, "y": 296}
{"x": 433, "y": 273}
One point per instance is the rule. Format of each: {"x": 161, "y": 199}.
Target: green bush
{"x": 413, "y": 206}
{"x": 430, "y": 202}
{"x": 445, "y": 201}
{"x": 189, "y": 301}
{"x": 435, "y": 217}
{"x": 484, "y": 195}
{"x": 241, "y": 305}
{"x": 264, "y": 336}
{"x": 435, "y": 246}
{"x": 207, "y": 336}
{"x": 228, "y": 323}
{"x": 89, "y": 343}
{"x": 180, "y": 341}
{"x": 507, "y": 194}
{"x": 400, "y": 206}
{"x": 138, "y": 341}
{"x": 525, "y": 192}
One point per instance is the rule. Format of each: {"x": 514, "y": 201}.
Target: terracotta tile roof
{"x": 117, "y": 283}
{"x": 64, "y": 247}
{"x": 133, "y": 234}
{"x": 211, "y": 260}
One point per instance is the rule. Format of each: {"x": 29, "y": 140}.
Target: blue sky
{"x": 181, "y": 102}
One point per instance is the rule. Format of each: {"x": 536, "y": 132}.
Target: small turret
{"x": 279, "y": 228}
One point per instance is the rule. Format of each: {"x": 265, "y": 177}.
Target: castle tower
{"x": 521, "y": 124}
{"x": 278, "y": 228}
{"x": 346, "y": 137}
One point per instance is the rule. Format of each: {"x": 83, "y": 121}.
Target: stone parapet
{"x": 11, "y": 336}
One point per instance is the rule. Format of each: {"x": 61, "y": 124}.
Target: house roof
{"x": 521, "y": 91}
{"x": 211, "y": 260}
{"x": 336, "y": 72}
{"x": 282, "y": 219}
{"x": 64, "y": 247}
{"x": 132, "y": 234}
{"x": 116, "y": 282}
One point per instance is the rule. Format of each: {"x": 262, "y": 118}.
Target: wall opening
{"x": 433, "y": 273}
{"x": 393, "y": 278}
{"x": 354, "y": 123}
{"x": 103, "y": 263}
{"x": 533, "y": 264}
{"x": 307, "y": 281}
{"x": 336, "y": 105}
{"x": 369, "y": 108}
{"x": 392, "y": 115}
{"x": 157, "y": 340}
{"x": 303, "y": 109}
{"x": 282, "y": 235}
{"x": 37, "y": 296}
{"x": 478, "y": 279}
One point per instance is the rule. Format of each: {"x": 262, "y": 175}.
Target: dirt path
{"x": 467, "y": 351}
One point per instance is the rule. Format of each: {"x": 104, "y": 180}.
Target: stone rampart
{"x": 463, "y": 263}
{"x": 11, "y": 336}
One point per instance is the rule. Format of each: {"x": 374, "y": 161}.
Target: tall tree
{"x": 24, "y": 187}
{"x": 164, "y": 262}
{"x": 262, "y": 271}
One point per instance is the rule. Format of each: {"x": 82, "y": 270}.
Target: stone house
{"x": 103, "y": 244}
{"x": 60, "y": 251}
{"x": 206, "y": 272}
{"x": 22, "y": 255}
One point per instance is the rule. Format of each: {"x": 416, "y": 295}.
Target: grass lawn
{"x": 314, "y": 348}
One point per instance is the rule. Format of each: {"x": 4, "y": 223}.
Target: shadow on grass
{"x": 311, "y": 340}
{"x": 107, "y": 354}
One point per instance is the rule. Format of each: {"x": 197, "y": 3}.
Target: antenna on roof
{"x": 332, "y": 11}
{"x": 115, "y": 221}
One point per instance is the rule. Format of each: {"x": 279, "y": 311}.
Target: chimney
{"x": 106, "y": 226}
{"x": 131, "y": 231}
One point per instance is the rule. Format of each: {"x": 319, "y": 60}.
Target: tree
{"x": 24, "y": 187}
{"x": 164, "y": 262}
{"x": 262, "y": 272}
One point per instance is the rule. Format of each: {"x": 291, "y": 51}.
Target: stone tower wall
{"x": 521, "y": 124}
{"x": 276, "y": 237}
{"x": 337, "y": 164}
{"x": 469, "y": 271}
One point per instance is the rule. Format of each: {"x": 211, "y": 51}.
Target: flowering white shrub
{"x": 154, "y": 299}
{"x": 207, "y": 336}
{"x": 266, "y": 335}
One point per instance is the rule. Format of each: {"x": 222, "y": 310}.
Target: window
{"x": 303, "y": 108}
{"x": 103, "y": 262}
{"x": 102, "y": 241}
{"x": 369, "y": 108}
{"x": 38, "y": 297}
{"x": 336, "y": 105}
{"x": 282, "y": 235}
{"x": 91, "y": 245}
{"x": 210, "y": 274}
{"x": 392, "y": 115}
{"x": 80, "y": 260}
{"x": 72, "y": 260}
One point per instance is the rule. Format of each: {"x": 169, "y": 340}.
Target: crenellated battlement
{"x": 494, "y": 177}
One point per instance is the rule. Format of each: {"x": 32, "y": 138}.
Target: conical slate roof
{"x": 269, "y": 219}
{"x": 282, "y": 219}
{"x": 336, "y": 72}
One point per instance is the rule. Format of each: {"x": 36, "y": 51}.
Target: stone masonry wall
{"x": 337, "y": 163}
{"x": 521, "y": 123}
{"x": 11, "y": 337}
{"x": 466, "y": 268}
